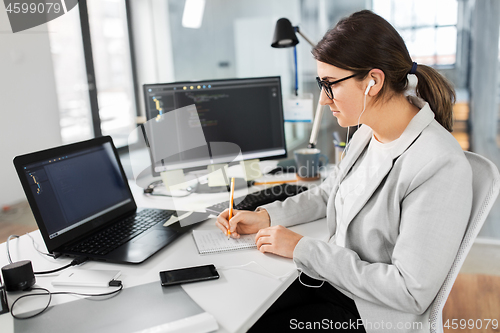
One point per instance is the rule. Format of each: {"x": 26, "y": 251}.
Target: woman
{"x": 397, "y": 206}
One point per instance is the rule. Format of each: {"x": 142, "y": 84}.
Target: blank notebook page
{"x": 214, "y": 241}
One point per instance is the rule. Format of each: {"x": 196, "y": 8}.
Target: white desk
{"x": 236, "y": 300}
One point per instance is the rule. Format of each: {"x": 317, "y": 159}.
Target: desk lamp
{"x": 285, "y": 36}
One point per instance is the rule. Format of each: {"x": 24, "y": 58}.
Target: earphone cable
{"x": 348, "y": 127}
{"x": 277, "y": 277}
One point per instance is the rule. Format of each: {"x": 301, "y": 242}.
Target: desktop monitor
{"x": 247, "y": 113}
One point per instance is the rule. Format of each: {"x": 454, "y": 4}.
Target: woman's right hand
{"x": 243, "y": 222}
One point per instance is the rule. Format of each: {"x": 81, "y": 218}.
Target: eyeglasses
{"x": 327, "y": 86}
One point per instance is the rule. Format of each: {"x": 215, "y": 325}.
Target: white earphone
{"x": 370, "y": 84}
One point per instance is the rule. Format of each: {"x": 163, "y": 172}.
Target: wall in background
{"x": 29, "y": 114}
{"x": 484, "y": 93}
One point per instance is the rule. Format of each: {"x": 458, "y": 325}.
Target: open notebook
{"x": 214, "y": 241}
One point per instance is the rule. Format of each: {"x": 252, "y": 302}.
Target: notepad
{"x": 214, "y": 241}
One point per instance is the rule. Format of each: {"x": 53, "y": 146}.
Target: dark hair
{"x": 364, "y": 41}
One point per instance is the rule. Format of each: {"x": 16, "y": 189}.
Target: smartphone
{"x": 189, "y": 274}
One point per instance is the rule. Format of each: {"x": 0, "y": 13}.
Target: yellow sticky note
{"x": 251, "y": 169}
{"x": 217, "y": 175}
{"x": 173, "y": 180}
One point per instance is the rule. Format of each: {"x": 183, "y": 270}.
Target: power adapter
{"x": 18, "y": 275}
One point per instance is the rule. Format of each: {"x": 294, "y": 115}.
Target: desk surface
{"x": 236, "y": 300}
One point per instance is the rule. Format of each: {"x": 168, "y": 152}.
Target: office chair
{"x": 485, "y": 188}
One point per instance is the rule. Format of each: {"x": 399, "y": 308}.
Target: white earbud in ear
{"x": 370, "y": 84}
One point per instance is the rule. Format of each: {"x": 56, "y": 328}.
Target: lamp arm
{"x": 316, "y": 125}
{"x": 305, "y": 37}
{"x": 319, "y": 109}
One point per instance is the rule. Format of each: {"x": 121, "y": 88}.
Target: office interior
{"x": 49, "y": 95}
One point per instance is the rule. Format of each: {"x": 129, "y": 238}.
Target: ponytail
{"x": 436, "y": 90}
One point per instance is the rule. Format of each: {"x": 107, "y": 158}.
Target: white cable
{"x": 342, "y": 198}
{"x": 277, "y": 277}
{"x": 273, "y": 275}
{"x": 348, "y": 127}
{"x": 346, "y": 145}
{"x": 8, "y": 251}
{"x": 304, "y": 284}
{"x": 340, "y": 192}
{"x": 35, "y": 245}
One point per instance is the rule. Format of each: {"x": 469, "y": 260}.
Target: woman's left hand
{"x": 278, "y": 240}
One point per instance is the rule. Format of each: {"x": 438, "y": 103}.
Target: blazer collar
{"x": 363, "y": 136}
{"x": 360, "y": 141}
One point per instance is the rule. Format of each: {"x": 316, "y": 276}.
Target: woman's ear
{"x": 378, "y": 76}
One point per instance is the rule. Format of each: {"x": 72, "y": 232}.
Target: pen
{"x": 231, "y": 206}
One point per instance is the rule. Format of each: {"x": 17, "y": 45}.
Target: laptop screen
{"x": 76, "y": 187}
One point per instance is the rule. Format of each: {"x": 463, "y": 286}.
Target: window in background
{"x": 113, "y": 71}
{"x": 428, "y": 27}
{"x": 91, "y": 55}
{"x": 71, "y": 78}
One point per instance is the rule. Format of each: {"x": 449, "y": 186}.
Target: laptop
{"x": 82, "y": 203}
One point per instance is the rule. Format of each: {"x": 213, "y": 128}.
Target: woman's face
{"x": 348, "y": 95}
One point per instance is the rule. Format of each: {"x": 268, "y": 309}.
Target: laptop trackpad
{"x": 154, "y": 237}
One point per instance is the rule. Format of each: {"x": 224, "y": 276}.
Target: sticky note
{"x": 217, "y": 175}
{"x": 251, "y": 169}
{"x": 173, "y": 180}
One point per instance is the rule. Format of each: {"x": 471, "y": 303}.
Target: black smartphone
{"x": 189, "y": 274}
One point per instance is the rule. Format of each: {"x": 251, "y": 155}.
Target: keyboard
{"x": 121, "y": 232}
{"x": 256, "y": 199}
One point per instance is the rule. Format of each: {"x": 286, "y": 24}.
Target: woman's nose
{"x": 323, "y": 99}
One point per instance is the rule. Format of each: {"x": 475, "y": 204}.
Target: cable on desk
{"x": 8, "y": 251}
{"x": 35, "y": 245}
{"x": 76, "y": 261}
{"x": 277, "y": 277}
{"x": 112, "y": 283}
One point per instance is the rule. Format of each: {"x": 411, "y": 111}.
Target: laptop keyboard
{"x": 256, "y": 199}
{"x": 121, "y": 232}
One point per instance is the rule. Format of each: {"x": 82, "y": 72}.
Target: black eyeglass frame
{"x": 327, "y": 86}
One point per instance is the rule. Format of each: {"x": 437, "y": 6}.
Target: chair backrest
{"x": 485, "y": 188}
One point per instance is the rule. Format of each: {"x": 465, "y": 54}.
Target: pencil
{"x": 276, "y": 182}
{"x": 231, "y": 201}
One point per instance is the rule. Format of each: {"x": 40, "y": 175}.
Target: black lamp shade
{"x": 284, "y": 34}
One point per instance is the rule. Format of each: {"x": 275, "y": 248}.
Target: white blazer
{"x": 403, "y": 233}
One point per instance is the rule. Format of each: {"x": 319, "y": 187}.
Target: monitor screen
{"x": 245, "y": 112}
